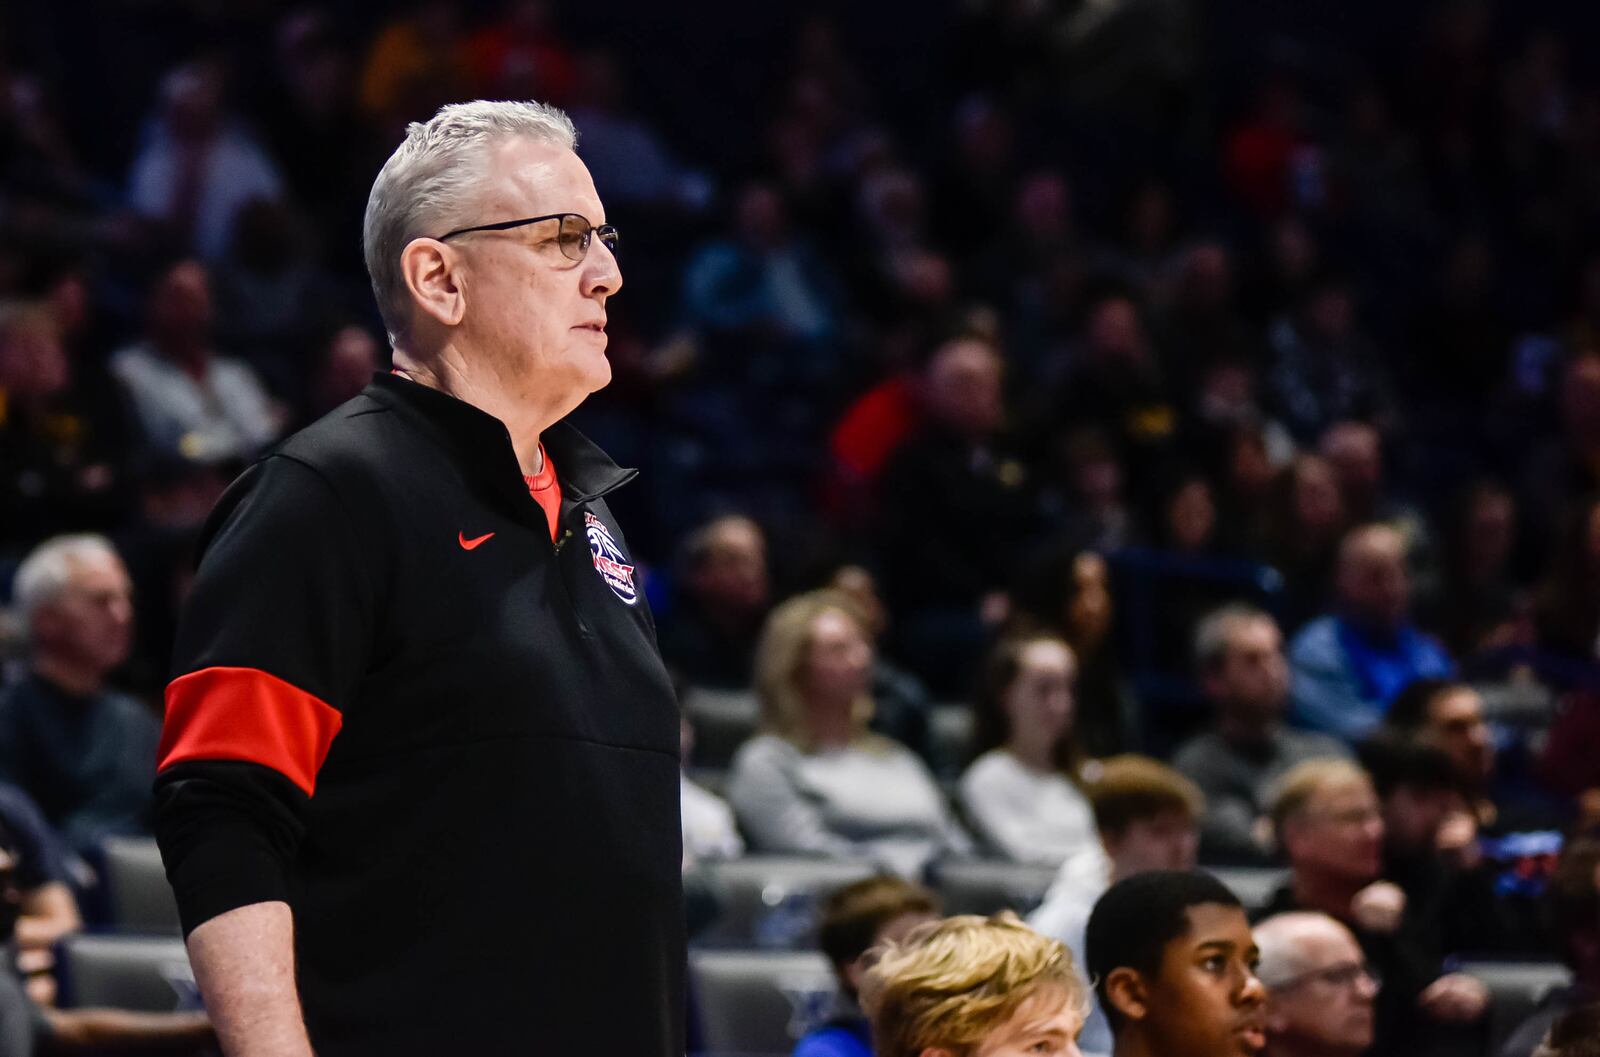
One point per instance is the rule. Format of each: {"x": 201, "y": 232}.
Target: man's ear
{"x": 852, "y": 972}
{"x": 430, "y": 270}
{"x": 1128, "y": 993}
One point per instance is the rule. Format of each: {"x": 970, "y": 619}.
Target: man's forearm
{"x": 244, "y": 965}
{"x": 114, "y": 1029}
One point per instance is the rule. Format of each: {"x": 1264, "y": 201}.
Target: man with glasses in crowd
{"x": 1329, "y": 823}
{"x": 1320, "y": 990}
{"x": 418, "y": 787}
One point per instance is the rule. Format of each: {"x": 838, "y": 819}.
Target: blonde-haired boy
{"x": 970, "y": 986}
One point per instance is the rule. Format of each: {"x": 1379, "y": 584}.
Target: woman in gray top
{"x": 815, "y": 781}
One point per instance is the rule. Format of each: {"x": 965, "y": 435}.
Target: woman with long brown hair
{"x": 1021, "y": 794}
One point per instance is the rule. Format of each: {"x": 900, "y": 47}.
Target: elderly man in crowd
{"x": 1351, "y": 663}
{"x": 83, "y": 751}
{"x": 1330, "y": 825}
{"x": 1320, "y": 991}
{"x": 419, "y": 777}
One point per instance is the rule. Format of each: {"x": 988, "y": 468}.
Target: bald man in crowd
{"x": 1320, "y": 989}
{"x": 1349, "y": 664}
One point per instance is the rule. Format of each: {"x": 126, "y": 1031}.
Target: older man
{"x": 421, "y": 754}
{"x": 1320, "y": 990}
{"x": 82, "y": 750}
{"x": 1330, "y": 823}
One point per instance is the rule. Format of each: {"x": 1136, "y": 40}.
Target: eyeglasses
{"x": 573, "y": 237}
{"x": 1345, "y": 975}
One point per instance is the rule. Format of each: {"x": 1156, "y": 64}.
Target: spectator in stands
{"x": 1117, "y": 383}
{"x": 765, "y": 283}
{"x": 417, "y": 62}
{"x": 1022, "y": 794}
{"x": 1067, "y": 592}
{"x": 711, "y": 638}
{"x": 60, "y": 463}
{"x": 1320, "y": 990}
{"x": 989, "y": 987}
{"x": 29, "y": 1025}
{"x": 348, "y": 359}
{"x": 1082, "y": 499}
{"x": 954, "y": 516}
{"x": 632, "y": 164}
{"x": 900, "y": 704}
{"x": 1243, "y": 673}
{"x": 815, "y": 781}
{"x": 1480, "y": 596}
{"x": 1566, "y": 605}
{"x": 1324, "y": 368}
{"x": 1173, "y": 964}
{"x": 1574, "y": 900}
{"x": 1306, "y": 518}
{"x": 1350, "y": 664}
{"x": 1565, "y": 466}
{"x": 856, "y": 919}
{"x": 1147, "y": 815}
{"x": 188, "y": 399}
{"x": 34, "y": 866}
{"x": 199, "y": 167}
{"x": 1570, "y": 763}
{"x": 1329, "y": 822}
{"x": 1448, "y": 715}
{"x": 83, "y": 751}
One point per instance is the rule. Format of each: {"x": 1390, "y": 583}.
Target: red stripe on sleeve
{"x": 247, "y": 714}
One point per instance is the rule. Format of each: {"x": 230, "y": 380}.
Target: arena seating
{"x": 759, "y": 1002}
{"x": 771, "y": 901}
{"x": 146, "y": 973}
{"x": 138, "y": 897}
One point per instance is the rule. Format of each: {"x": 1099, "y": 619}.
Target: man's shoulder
{"x": 355, "y": 435}
{"x": 1297, "y": 745}
{"x": 1201, "y": 752}
{"x": 1317, "y": 643}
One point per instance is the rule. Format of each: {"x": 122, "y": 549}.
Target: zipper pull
{"x": 565, "y": 535}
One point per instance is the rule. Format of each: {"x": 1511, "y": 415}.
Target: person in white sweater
{"x": 815, "y": 781}
{"x": 1022, "y": 795}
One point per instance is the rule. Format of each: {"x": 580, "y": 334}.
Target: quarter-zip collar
{"x": 482, "y": 444}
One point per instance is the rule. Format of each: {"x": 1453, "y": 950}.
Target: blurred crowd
{"x": 1200, "y": 382}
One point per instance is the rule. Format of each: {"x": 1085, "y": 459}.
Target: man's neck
{"x": 1281, "y": 1047}
{"x": 1331, "y": 895}
{"x": 72, "y": 678}
{"x": 1130, "y": 1042}
{"x": 514, "y": 399}
{"x": 1241, "y": 728}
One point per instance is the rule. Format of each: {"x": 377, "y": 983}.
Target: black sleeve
{"x": 270, "y": 649}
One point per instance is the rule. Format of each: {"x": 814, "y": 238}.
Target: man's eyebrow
{"x": 1225, "y": 946}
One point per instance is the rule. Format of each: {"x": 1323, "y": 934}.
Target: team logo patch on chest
{"x": 609, "y": 561}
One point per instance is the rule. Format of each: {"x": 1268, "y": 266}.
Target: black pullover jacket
{"x": 447, "y": 743}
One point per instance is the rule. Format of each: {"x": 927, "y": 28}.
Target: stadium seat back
{"x": 772, "y": 901}
{"x": 756, "y": 1003}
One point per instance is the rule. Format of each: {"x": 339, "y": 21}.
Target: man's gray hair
{"x": 1214, "y": 635}
{"x": 47, "y": 570}
{"x": 1281, "y": 941}
{"x": 427, "y": 186}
